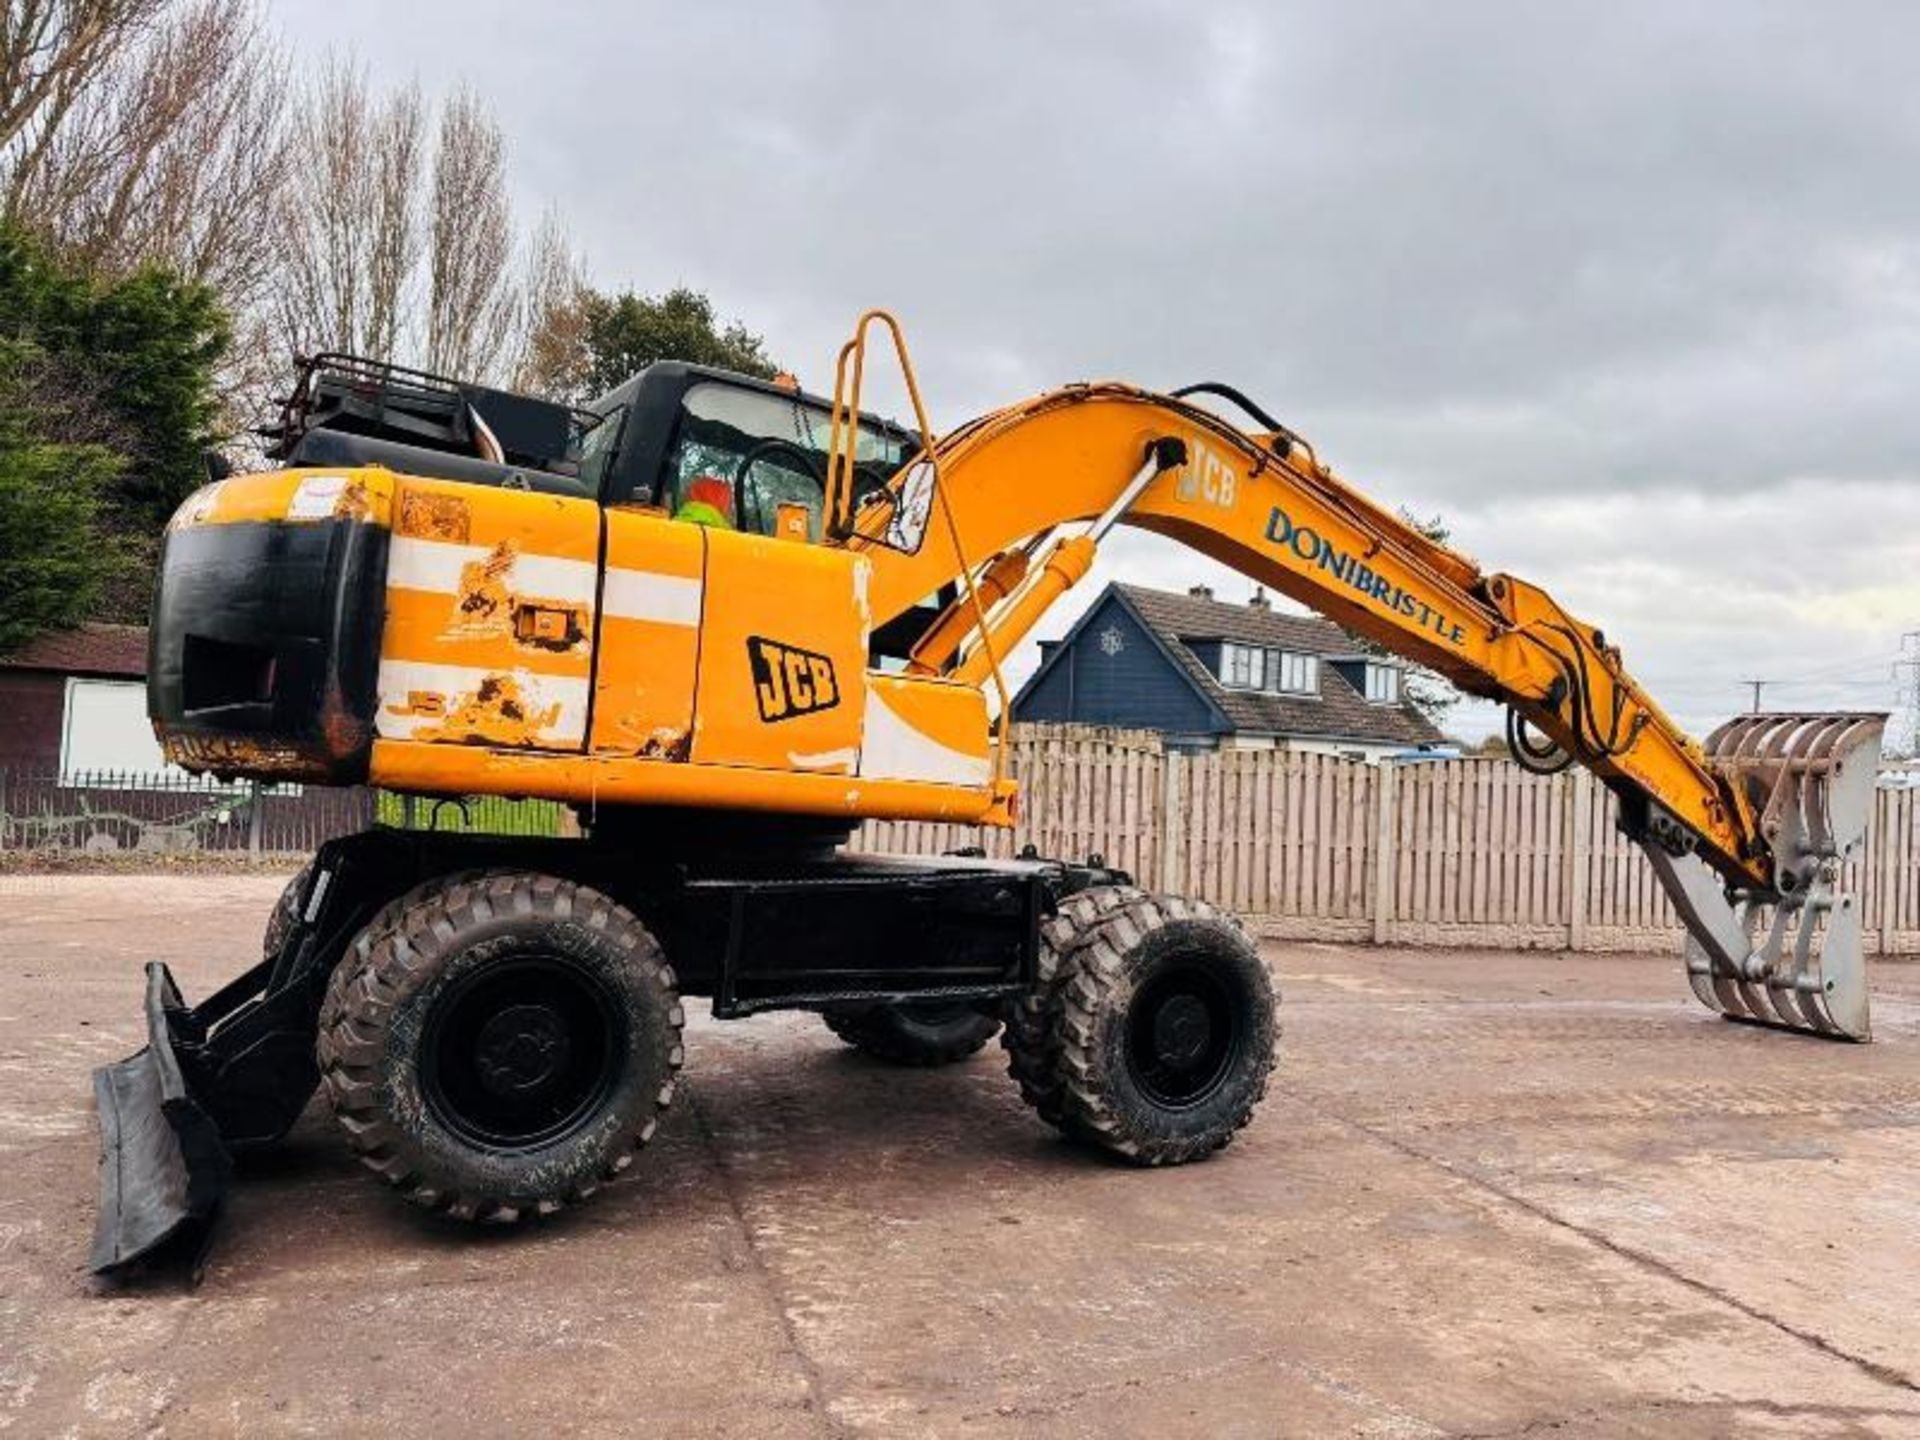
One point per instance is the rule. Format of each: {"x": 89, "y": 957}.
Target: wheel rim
{"x": 1184, "y": 1034}
{"x": 521, "y": 1052}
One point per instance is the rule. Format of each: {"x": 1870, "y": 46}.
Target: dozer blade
{"x": 1792, "y": 957}
{"x": 163, "y": 1168}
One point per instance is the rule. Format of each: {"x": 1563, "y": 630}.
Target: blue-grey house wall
{"x": 1050, "y": 695}
{"x": 1135, "y": 687}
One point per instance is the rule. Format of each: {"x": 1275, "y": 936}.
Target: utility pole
{"x": 1906, "y": 670}
{"x": 1756, "y": 691}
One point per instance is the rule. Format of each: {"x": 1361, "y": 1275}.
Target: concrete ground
{"x": 1489, "y": 1195}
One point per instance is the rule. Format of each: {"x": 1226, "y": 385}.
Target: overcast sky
{"x": 1628, "y": 293}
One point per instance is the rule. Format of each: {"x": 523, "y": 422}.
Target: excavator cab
{"x": 644, "y": 443}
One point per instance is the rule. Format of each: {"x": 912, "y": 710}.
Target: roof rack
{"x": 336, "y": 390}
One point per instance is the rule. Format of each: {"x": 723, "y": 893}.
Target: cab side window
{"x": 598, "y": 447}
{"x": 754, "y": 478}
{"x": 746, "y": 452}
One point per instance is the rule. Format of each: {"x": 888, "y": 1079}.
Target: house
{"x": 1211, "y": 675}
{"x": 76, "y": 700}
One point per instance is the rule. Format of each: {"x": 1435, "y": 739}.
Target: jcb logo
{"x": 789, "y": 682}
{"x": 1207, "y": 477}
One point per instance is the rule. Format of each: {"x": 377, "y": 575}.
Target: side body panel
{"x": 491, "y": 597}
{"x": 783, "y": 655}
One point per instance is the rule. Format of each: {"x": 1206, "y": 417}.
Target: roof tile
{"x": 1339, "y": 712}
{"x": 92, "y": 649}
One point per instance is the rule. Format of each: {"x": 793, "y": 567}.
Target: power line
{"x": 1883, "y": 678}
{"x": 1827, "y": 667}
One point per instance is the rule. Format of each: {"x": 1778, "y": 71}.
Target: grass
{"x": 469, "y": 815}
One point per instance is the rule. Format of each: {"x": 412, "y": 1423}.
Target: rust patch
{"x": 498, "y": 713}
{"x": 232, "y": 756}
{"x": 434, "y": 517}
{"x": 666, "y": 743}
{"x": 485, "y": 609}
{"x": 354, "y": 503}
{"x": 482, "y": 604}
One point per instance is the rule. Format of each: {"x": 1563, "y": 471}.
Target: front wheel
{"x": 498, "y": 1044}
{"x": 1166, "y": 1031}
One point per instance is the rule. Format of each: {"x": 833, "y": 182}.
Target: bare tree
{"x": 472, "y": 304}
{"x": 329, "y": 216}
{"x": 551, "y": 357}
{"x": 368, "y": 266}
{"x": 51, "y": 53}
{"x": 349, "y": 217}
{"x": 160, "y": 141}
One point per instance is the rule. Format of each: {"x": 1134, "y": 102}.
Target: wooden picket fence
{"x": 1461, "y": 852}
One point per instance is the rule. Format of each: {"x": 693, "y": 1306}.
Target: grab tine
{"x": 1809, "y": 779}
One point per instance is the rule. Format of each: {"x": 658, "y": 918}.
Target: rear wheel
{"x": 1166, "y": 1030}
{"x": 498, "y": 1044}
{"x": 923, "y": 1032}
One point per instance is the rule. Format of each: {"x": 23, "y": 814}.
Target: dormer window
{"x": 1278, "y": 672}
{"x": 1383, "y": 684}
{"x": 1299, "y": 674}
{"x": 1243, "y": 667}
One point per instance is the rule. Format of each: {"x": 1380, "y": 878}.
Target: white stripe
{"x": 892, "y": 749}
{"x": 647, "y": 595}
{"x": 454, "y": 683}
{"x": 840, "y": 761}
{"x": 435, "y": 565}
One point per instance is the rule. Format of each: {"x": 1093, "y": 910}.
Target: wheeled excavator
{"x": 726, "y": 621}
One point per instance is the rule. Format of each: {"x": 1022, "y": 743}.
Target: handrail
{"x": 842, "y": 441}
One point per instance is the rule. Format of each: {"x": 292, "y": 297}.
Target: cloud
{"x": 1630, "y": 294}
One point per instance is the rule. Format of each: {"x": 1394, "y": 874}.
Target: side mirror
{"x": 907, "y": 526}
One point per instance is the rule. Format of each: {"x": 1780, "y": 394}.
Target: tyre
{"x": 1030, "y": 1039}
{"x": 285, "y": 912}
{"x": 926, "y": 1032}
{"x": 498, "y": 1044}
{"x": 1166, "y": 1030}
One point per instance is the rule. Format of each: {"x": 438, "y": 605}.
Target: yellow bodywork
{"x": 694, "y": 666}
{"x": 548, "y": 646}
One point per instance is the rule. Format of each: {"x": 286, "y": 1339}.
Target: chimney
{"x": 1200, "y": 592}
{"x": 1259, "y": 600}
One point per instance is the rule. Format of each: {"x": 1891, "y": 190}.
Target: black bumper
{"x": 264, "y": 649}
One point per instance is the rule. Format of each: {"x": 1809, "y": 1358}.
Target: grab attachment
{"x": 1752, "y": 955}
